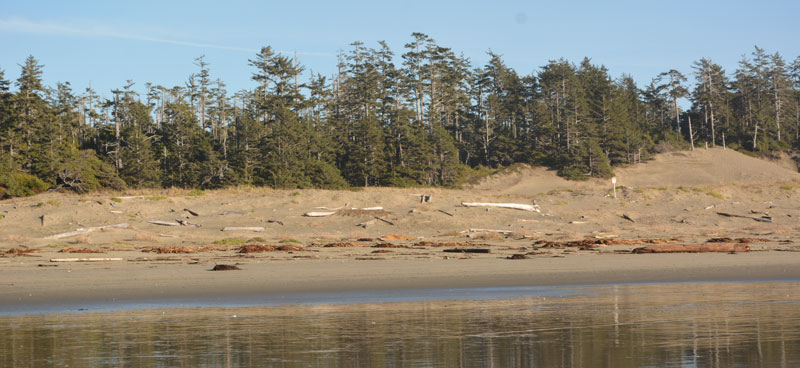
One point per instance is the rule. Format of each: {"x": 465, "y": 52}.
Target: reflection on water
{"x": 676, "y": 325}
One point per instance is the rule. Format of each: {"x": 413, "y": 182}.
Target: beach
{"x": 579, "y": 235}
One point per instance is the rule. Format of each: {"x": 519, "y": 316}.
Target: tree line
{"x": 428, "y": 117}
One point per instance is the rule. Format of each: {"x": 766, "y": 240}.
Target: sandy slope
{"x": 675, "y": 195}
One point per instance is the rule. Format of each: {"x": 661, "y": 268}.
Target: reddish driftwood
{"x": 14, "y": 252}
{"x": 259, "y": 248}
{"x": 390, "y": 245}
{"x": 737, "y": 240}
{"x": 342, "y": 245}
{"x": 81, "y": 250}
{"x": 438, "y": 245}
{"x": 694, "y": 248}
{"x": 177, "y": 250}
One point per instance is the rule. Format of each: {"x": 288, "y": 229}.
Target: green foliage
{"x": 115, "y": 199}
{"x": 472, "y": 175}
{"x": 196, "y": 193}
{"x": 434, "y": 120}
{"x": 17, "y": 184}
{"x": 230, "y": 241}
{"x": 573, "y": 173}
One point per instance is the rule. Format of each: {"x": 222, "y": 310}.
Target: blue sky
{"x": 109, "y": 42}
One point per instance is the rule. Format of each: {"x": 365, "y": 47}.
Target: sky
{"x": 106, "y": 43}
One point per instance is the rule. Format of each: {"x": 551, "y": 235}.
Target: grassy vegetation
{"x": 574, "y": 192}
{"x": 54, "y": 203}
{"x": 290, "y": 241}
{"x": 787, "y": 187}
{"x": 708, "y": 191}
{"x": 196, "y": 193}
{"x": 683, "y": 189}
{"x": 156, "y": 198}
{"x": 116, "y": 199}
{"x": 471, "y": 176}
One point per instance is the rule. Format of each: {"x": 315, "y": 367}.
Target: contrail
{"x": 21, "y": 25}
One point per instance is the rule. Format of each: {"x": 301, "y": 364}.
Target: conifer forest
{"x": 427, "y": 116}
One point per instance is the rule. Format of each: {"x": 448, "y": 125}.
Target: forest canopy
{"x": 428, "y": 117}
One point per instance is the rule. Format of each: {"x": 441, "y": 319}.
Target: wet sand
{"x": 26, "y": 285}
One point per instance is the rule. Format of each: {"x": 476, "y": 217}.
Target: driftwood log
{"x": 467, "y": 250}
{"x": 516, "y": 206}
{"x": 163, "y": 223}
{"x": 319, "y": 213}
{"x": 84, "y": 259}
{"x": 243, "y": 228}
{"x": 504, "y": 232}
{"x": 759, "y": 219}
{"x": 694, "y": 248}
{"x": 86, "y": 230}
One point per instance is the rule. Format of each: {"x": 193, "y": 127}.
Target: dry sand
{"x": 674, "y": 197}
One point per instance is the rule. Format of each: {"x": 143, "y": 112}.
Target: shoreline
{"x": 29, "y": 289}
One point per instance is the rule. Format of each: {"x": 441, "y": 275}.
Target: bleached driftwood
{"x": 516, "y": 206}
{"x": 243, "y": 228}
{"x": 86, "y": 230}
{"x": 504, "y": 232}
{"x": 318, "y": 214}
{"x": 332, "y": 211}
{"x": 84, "y": 259}
{"x": 163, "y": 223}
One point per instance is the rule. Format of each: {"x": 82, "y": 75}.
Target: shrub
{"x": 17, "y": 184}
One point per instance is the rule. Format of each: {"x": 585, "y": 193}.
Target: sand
{"x": 673, "y": 198}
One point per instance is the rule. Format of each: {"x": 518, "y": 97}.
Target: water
{"x": 651, "y": 325}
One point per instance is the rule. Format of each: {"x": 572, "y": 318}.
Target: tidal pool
{"x": 642, "y": 325}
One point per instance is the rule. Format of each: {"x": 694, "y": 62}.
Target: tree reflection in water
{"x": 659, "y": 325}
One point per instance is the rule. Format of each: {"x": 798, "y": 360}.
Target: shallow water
{"x": 650, "y": 325}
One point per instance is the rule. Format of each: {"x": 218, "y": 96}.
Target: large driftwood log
{"x": 516, "y": 206}
{"x": 243, "y": 228}
{"x": 86, "y": 230}
{"x": 467, "y": 250}
{"x": 164, "y": 223}
{"x": 694, "y": 248}
{"x": 319, "y": 213}
{"x": 504, "y": 232}
{"x": 333, "y": 211}
{"x": 84, "y": 259}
